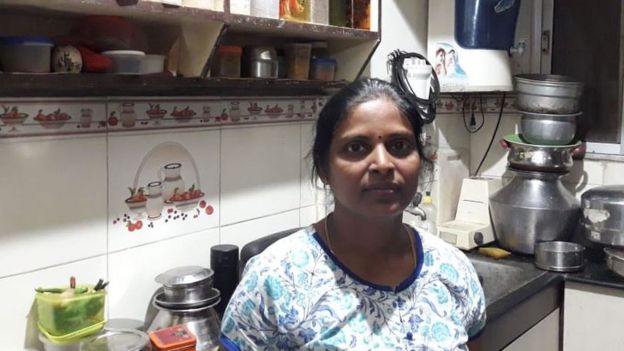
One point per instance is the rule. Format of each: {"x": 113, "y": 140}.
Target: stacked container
{"x": 523, "y": 212}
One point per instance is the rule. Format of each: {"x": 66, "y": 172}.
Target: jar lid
{"x": 185, "y": 275}
{"x": 43, "y": 41}
{"x": 122, "y": 339}
{"x": 230, "y": 49}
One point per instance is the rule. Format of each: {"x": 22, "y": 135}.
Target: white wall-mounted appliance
{"x": 466, "y": 42}
{"x": 471, "y": 226}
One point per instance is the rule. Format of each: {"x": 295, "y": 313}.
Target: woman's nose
{"x": 381, "y": 160}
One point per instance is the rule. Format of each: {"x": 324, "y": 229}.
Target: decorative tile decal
{"x": 27, "y": 118}
{"x": 30, "y": 117}
{"x": 468, "y": 102}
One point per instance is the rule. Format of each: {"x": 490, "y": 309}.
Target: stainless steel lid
{"x": 607, "y": 192}
{"x": 184, "y": 276}
{"x": 603, "y": 214}
{"x": 114, "y": 340}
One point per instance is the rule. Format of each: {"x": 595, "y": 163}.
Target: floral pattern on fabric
{"x": 297, "y": 295}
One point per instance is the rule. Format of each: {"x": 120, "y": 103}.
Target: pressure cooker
{"x": 603, "y": 214}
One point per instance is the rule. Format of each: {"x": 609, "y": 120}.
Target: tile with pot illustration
{"x": 20, "y": 332}
{"x": 53, "y": 207}
{"x": 29, "y": 117}
{"x": 133, "y": 271}
{"x": 162, "y": 184}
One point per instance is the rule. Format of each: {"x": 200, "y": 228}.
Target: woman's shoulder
{"x": 289, "y": 248}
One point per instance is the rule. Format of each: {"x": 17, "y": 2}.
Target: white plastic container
{"x": 265, "y": 8}
{"x": 25, "y": 54}
{"x": 152, "y": 64}
{"x": 125, "y": 61}
{"x": 240, "y": 7}
{"x": 319, "y": 11}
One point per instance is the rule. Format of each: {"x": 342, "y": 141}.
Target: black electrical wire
{"x": 470, "y": 128}
{"x": 426, "y": 107}
{"x": 500, "y": 117}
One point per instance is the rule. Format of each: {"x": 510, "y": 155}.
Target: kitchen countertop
{"x": 597, "y": 273}
{"x": 518, "y": 295}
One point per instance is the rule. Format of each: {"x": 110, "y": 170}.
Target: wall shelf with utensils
{"x": 188, "y": 36}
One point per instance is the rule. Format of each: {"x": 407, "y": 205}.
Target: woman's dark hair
{"x": 343, "y": 102}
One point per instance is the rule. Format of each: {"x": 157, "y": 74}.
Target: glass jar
{"x": 228, "y": 61}
{"x": 298, "y": 60}
{"x": 172, "y": 180}
{"x": 295, "y": 10}
{"x": 323, "y": 69}
{"x": 338, "y": 13}
{"x": 155, "y": 203}
{"x": 358, "y": 12}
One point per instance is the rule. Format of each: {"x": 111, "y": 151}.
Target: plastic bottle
{"x": 430, "y": 210}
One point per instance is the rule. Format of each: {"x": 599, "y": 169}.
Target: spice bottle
{"x": 295, "y": 10}
{"x": 338, "y": 12}
{"x": 358, "y": 14}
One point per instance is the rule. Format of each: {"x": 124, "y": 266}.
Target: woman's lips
{"x": 385, "y": 188}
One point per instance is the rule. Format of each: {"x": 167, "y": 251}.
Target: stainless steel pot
{"x": 187, "y": 284}
{"x": 603, "y": 214}
{"x": 260, "y": 62}
{"x": 541, "y": 158}
{"x": 533, "y": 207}
{"x": 203, "y": 322}
{"x": 559, "y": 256}
{"x": 547, "y": 93}
{"x": 615, "y": 260}
{"x": 548, "y": 129}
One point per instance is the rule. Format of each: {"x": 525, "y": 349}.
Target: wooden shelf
{"x": 81, "y": 85}
{"x": 194, "y": 33}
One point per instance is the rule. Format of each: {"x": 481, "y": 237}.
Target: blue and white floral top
{"x": 297, "y": 295}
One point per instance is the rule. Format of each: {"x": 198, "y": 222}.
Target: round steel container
{"x": 532, "y": 208}
{"x": 547, "y": 93}
{"x": 559, "y": 256}
{"x": 548, "y": 129}
{"x": 603, "y": 214}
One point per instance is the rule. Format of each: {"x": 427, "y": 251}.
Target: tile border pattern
{"x": 26, "y": 117}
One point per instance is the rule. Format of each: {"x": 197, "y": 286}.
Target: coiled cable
{"x": 426, "y": 107}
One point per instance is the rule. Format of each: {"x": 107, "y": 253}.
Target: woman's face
{"x": 373, "y": 160}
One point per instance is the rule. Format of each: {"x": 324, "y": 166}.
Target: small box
{"x": 175, "y": 338}
{"x": 61, "y": 315}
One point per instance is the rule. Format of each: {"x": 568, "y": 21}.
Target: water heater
{"x": 468, "y": 43}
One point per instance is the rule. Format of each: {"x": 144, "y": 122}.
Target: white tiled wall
{"x": 63, "y": 209}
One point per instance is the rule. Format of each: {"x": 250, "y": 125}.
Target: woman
{"x": 359, "y": 279}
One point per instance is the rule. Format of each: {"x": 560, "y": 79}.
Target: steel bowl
{"x": 559, "y": 256}
{"x": 548, "y": 129}
{"x": 615, "y": 260}
{"x": 540, "y": 158}
{"x": 187, "y": 284}
{"x": 547, "y": 93}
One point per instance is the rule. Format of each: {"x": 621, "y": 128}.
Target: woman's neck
{"x": 367, "y": 234}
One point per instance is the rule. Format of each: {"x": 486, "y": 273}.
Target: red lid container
{"x": 176, "y": 338}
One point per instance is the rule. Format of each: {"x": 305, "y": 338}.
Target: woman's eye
{"x": 355, "y": 147}
{"x": 401, "y": 146}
